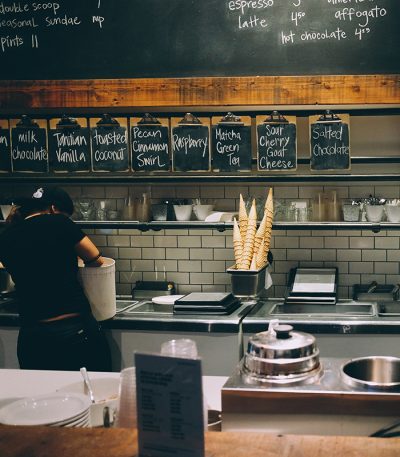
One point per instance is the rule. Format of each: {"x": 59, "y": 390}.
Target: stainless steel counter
{"x": 162, "y": 318}
{"x": 249, "y": 318}
{"x": 324, "y": 404}
{"x": 351, "y": 322}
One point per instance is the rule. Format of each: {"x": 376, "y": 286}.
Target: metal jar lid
{"x": 289, "y": 353}
{"x": 287, "y": 344}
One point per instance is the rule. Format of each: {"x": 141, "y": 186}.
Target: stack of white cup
{"x": 186, "y": 349}
{"x": 183, "y": 347}
{"x": 127, "y": 410}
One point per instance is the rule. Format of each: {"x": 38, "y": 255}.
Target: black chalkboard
{"x": 69, "y": 147}
{"x": 276, "y": 145}
{"x": 5, "y": 147}
{"x": 191, "y": 148}
{"x": 231, "y": 147}
{"x": 29, "y": 145}
{"x": 72, "y": 39}
{"x": 110, "y": 147}
{"x": 330, "y": 145}
{"x": 150, "y": 147}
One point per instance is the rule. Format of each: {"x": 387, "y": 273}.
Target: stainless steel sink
{"x": 123, "y": 305}
{"x": 150, "y": 307}
{"x": 346, "y": 309}
{"x": 389, "y": 309}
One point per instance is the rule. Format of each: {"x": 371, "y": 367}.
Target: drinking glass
{"x": 127, "y": 409}
{"x": 86, "y": 208}
{"x": 182, "y": 347}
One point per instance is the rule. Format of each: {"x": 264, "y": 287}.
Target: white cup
{"x": 183, "y": 212}
{"x": 202, "y": 211}
{"x": 182, "y": 347}
{"x": 127, "y": 409}
{"x": 392, "y": 213}
{"x": 374, "y": 212}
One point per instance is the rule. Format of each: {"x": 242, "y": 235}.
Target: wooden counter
{"x": 50, "y": 442}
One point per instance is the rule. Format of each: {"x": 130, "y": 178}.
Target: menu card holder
{"x": 276, "y": 142}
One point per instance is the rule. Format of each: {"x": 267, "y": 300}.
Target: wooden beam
{"x": 207, "y": 91}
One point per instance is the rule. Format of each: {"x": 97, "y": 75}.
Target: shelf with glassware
{"x": 223, "y": 226}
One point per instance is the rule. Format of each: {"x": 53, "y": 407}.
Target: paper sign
{"x": 170, "y": 406}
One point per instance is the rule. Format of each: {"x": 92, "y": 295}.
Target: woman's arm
{"x": 89, "y": 253}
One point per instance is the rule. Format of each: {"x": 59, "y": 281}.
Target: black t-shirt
{"x": 40, "y": 256}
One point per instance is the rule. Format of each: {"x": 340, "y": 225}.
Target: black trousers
{"x": 67, "y": 344}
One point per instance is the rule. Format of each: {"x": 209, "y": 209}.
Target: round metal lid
{"x": 287, "y": 344}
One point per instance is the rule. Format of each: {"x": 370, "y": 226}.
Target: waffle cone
{"x": 260, "y": 234}
{"x": 260, "y": 254}
{"x": 269, "y": 203}
{"x": 243, "y": 219}
{"x": 237, "y": 242}
{"x": 248, "y": 247}
{"x": 269, "y": 212}
{"x": 261, "y": 258}
{"x": 253, "y": 265}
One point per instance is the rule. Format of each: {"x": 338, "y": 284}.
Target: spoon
{"x": 87, "y": 383}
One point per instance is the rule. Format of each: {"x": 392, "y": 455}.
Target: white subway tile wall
{"x": 196, "y": 259}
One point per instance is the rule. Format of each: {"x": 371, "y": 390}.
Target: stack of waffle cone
{"x": 269, "y": 214}
{"x": 243, "y": 219}
{"x": 262, "y": 256}
{"x": 237, "y": 242}
{"x": 260, "y": 233}
{"x": 248, "y": 245}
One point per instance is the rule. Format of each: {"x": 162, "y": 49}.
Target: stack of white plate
{"x": 57, "y": 410}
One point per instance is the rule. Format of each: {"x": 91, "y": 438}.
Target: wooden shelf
{"x": 199, "y": 91}
{"x": 137, "y": 178}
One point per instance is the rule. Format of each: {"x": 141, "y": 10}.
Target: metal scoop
{"x": 87, "y": 384}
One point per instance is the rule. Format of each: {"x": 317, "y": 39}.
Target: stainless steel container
{"x": 247, "y": 283}
{"x": 286, "y": 358}
{"x": 372, "y": 373}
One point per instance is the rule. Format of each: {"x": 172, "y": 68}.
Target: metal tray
{"x": 389, "y": 309}
{"x": 323, "y": 310}
{"x": 379, "y": 292}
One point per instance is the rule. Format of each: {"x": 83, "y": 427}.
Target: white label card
{"x": 170, "y": 406}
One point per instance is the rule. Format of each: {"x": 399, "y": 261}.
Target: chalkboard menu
{"x": 5, "y": 146}
{"x": 231, "y": 143}
{"x": 191, "y": 143}
{"x": 276, "y": 143}
{"x": 29, "y": 145}
{"x": 75, "y": 39}
{"x": 330, "y": 142}
{"x": 109, "y": 139}
{"x": 69, "y": 145}
{"x": 150, "y": 144}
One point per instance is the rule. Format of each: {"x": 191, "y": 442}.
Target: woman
{"x": 40, "y": 249}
